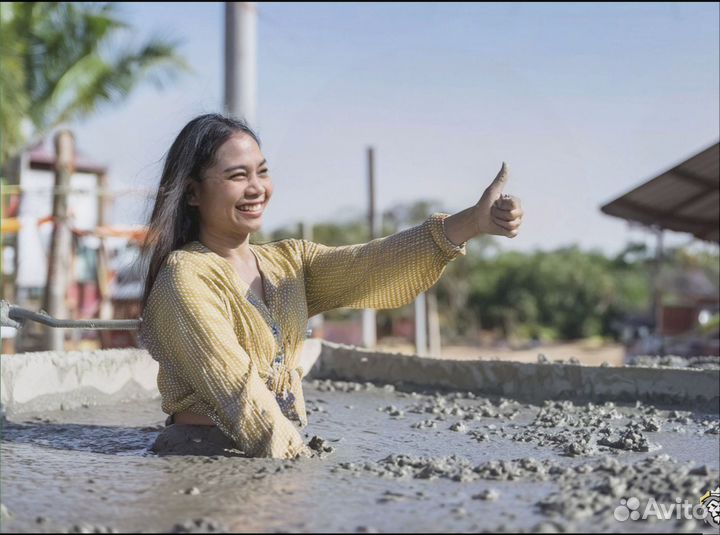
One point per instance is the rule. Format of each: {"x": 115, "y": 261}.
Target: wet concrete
{"x": 387, "y": 461}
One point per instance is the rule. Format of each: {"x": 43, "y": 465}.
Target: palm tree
{"x": 57, "y": 66}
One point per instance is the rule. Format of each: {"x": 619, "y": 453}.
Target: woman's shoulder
{"x": 189, "y": 260}
{"x": 287, "y": 251}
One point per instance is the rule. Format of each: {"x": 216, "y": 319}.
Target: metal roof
{"x": 685, "y": 198}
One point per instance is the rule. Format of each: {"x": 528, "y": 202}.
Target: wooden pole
{"x": 657, "y": 297}
{"x": 61, "y": 244}
{"x": 102, "y": 274}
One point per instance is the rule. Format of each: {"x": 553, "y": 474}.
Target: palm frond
{"x": 56, "y": 69}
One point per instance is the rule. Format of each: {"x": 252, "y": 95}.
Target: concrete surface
{"x": 403, "y": 444}
{"x": 398, "y": 461}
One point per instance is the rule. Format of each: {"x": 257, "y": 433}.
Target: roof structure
{"x": 41, "y": 158}
{"x": 685, "y": 198}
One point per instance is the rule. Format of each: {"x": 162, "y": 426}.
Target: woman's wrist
{"x": 462, "y": 226}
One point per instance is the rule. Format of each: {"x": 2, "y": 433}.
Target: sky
{"x": 583, "y": 101}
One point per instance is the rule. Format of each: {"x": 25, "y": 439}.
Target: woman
{"x": 226, "y": 319}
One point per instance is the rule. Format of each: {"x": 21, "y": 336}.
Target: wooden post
{"x": 60, "y": 246}
{"x": 657, "y": 292}
{"x": 102, "y": 273}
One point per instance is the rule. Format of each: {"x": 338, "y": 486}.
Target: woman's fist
{"x": 496, "y": 212}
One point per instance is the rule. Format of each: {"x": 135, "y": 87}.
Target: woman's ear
{"x": 191, "y": 194}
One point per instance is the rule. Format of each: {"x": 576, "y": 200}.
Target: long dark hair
{"x": 173, "y": 222}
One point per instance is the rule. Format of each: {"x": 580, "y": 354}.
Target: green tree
{"x": 60, "y": 62}
{"x": 566, "y": 293}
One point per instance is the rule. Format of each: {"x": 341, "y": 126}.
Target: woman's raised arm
{"x": 390, "y": 272}
{"x": 383, "y": 273}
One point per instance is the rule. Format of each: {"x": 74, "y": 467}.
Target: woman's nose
{"x": 254, "y": 182}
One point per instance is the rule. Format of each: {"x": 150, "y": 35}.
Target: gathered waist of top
{"x": 281, "y": 380}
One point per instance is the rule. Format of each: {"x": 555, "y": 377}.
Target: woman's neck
{"x": 227, "y": 246}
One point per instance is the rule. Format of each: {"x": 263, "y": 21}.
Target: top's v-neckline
{"x": 264, "y": 285}
{"x": 264, "y": 302}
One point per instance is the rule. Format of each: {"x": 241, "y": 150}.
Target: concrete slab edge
{"x": 49, "y": 380}
{"x": 46, "y": 381}
{"x": 528, "y": 382}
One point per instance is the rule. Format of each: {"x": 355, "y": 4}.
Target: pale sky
{"x": 583, "y": 101}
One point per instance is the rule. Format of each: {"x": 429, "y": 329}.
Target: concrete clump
{"x": 630, "y": 438}
{"x": 328, "y": 385}
{"x": 458, "y": 427}
{"x": 657, "y": 477}
{"x": 320, "y": 445}
{"x": 90, "y": 528}
{"x": 199, "y": 525}
{"x": 486, "y": 495}
{"x": 583, "y": 430}
{"x": 424, "y": 424}
{"x": 711, "y": 428}
{"x": 454, "y": 467}
{"x": 450, "y": 406}
{"x": 675, "y": 361}
{"x": 392, "y": 410}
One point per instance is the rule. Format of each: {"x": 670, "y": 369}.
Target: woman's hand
{"x": 498, "y": 213}
{"x": 495, "y": 213}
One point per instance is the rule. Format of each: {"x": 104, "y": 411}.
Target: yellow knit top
{"x": 223, "y": 354}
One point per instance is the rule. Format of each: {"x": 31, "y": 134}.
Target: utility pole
{"x": 369, "y": 322}
{"x": 241, "y": 60}
{"x": 61, "y": 243}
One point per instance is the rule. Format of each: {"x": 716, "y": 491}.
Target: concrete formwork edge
{"x": 528, "y": 382}
{"x": 50, "y": 380}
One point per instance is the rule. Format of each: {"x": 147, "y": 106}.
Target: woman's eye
{"x": 264, "y": 172}
{"x": 238, "y": 176}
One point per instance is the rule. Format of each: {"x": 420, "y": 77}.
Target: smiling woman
{"x": 226, "y": 319}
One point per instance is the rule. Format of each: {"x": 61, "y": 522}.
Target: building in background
{"x": 27, "y": 225}
{"x": 684, "y": 198}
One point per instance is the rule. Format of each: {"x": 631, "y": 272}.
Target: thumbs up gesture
{"x": 496, "y": 212}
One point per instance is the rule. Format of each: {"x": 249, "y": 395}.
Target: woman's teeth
{"x": 250, "y": 207}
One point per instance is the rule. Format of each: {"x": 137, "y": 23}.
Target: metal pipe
{"x": 15, "y": 316}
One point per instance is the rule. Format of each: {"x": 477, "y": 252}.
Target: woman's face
{"x": 239, "y": 177}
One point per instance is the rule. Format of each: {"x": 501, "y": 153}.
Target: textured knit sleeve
{"x": 383, "y": 273}
{"x": 187, "y": 320}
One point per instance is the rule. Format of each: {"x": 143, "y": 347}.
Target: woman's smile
{"x": 251, "y": 209}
